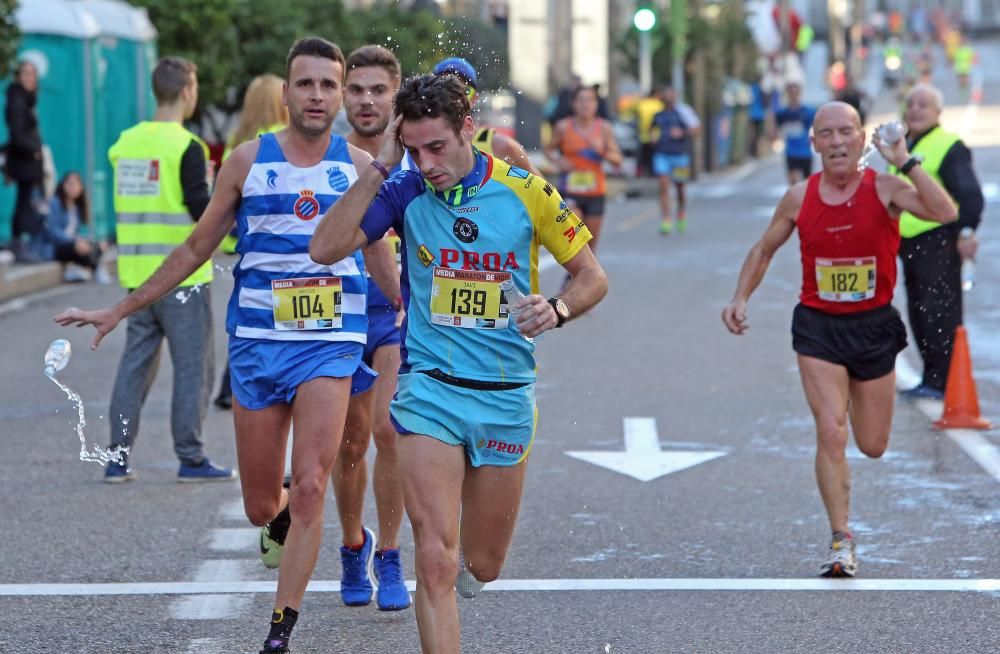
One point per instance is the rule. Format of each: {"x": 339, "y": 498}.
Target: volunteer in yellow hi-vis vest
{"x": 161, "y": 190}
{"x": 152, "y": 217}
{"x": 932, "y": 254}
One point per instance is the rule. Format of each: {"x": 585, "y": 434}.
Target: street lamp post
{"x": 644, "y": 20}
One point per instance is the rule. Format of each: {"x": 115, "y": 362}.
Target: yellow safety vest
{"x": 933, "y": 146}
{"x": 152, "y": 218}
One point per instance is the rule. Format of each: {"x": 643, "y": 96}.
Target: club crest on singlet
{"x": 337, "y": 179}
{"x": 306, "y": 206}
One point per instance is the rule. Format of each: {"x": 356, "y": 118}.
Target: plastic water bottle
{"x": 57, "y": 356}
{"x": 515, "y": 302}
{"x": 968, "y": 265}
{"x": 889, "y": 134}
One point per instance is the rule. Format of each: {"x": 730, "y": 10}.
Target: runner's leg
{"x": 431, "y": 474}
{"x": 594, "y": 224}
{"x": 826, "y": 388}
{"x": 872, "y": 404}
{"x": 261, "y": 436}
{"x": 350, "y": 472}
{"x": 386, "y": 485}
{"x": 491, "y": 499}
{"x": 318, "y": 413}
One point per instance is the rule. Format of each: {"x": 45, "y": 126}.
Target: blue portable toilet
{"x": 60, "y": 38}
{"x": 127, "y": 45}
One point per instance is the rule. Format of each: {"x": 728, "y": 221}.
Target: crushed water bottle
{"x": 968, "y": 265}
{"x": 889, "y": 134}
{"x": 57, "y": 356}
{"x": 515, "y": 302}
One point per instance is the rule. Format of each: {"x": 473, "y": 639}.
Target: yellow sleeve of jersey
{"x": 556, "y": 227}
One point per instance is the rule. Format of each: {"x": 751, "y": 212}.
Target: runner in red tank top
{"x": 845, "y": 331}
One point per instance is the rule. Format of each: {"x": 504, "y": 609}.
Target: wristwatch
{"x": 561, "y": 309}
{"x": 910, "y": 163}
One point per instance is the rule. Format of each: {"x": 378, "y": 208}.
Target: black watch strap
{"x": 908, "y": 166}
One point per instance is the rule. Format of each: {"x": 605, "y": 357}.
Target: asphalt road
{"x": 718, "y": 557}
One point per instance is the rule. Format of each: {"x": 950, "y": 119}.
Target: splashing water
{"x": 185, "y": 296}
{"x": 97, "y": 454}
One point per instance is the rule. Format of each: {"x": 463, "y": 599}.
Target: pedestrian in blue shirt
{"x": 795, "y": 120}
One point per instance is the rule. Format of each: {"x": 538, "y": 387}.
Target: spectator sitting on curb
{"x": 68, "y": 211}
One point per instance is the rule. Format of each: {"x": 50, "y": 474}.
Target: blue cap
{"x": 460, "y": 67}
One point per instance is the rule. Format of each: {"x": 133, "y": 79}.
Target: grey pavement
{"x": 655, "y": 348}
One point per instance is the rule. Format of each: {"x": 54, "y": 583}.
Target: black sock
{"x": 282, "y": 623}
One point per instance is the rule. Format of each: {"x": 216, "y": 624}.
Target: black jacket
{"x": 24, "y": 148}
{"x": 958, "y": 178}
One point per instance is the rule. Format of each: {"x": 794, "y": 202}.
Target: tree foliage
{"x": 10, "y": 35}
{"x": 232, "y": 41}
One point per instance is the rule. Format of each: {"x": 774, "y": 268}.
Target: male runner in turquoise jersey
{"x": 465, "y": 407}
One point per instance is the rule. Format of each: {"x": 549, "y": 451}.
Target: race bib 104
{"x": 846, "y": 280}
{"x": 307, "y": 303}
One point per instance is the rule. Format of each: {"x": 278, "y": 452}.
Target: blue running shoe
{"x": 356, "y": 582}
{"x": 392, "y": 594}
{"x": 922, "y": 392}
{"x": 118, "y": 473}
{"x": 207, "y": 471}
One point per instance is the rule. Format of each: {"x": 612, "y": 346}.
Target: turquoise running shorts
{"x": 496, "y": 427}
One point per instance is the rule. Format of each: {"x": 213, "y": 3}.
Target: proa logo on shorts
{"x": 306, "y": 207}
{"x": 500, "y": 446}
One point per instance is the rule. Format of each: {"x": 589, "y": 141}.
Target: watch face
{"x": 562, "y": 309}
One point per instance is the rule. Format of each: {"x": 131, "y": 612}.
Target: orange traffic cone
{"x": 961, "y": 403}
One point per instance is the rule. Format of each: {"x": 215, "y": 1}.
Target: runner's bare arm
{"x": 380, "y": 261}
{"x": 587, "y": 285}
{"x": 612, "y": 152}
{"x": 340, "y": 233}
{"x": 924, "y": 198}
{"x": 209, "y": 231}
{"x": 551, "y": 149}
{"x": 759, "y": 258}
{"x": 513, "y": 153}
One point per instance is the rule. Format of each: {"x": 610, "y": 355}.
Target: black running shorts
{"x": 587, "y": 205}
{"x": 866, "y": 343}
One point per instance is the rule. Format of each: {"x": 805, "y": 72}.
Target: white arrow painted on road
{"x": 643, "y": 459}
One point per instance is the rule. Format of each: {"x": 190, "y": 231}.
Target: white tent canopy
{"x": 119, "y": 19}
{"x": 59, "y": 17}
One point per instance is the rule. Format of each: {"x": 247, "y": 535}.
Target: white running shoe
{"x": 842, "y": 560}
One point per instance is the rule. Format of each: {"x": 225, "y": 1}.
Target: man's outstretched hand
{"x": 103, "y": 319}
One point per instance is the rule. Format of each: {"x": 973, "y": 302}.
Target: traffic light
{"x": 644, "y": 19}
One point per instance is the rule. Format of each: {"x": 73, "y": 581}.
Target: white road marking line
{"x": 224, "y": 570}
{"x": 526, "y": 585}
{"x": 233, "y": 511}
{"x": 213, "y": 607}
{"x": 209, "y": 607}
{"x": 234, "y": 540}
{"x": 971, "y": 441}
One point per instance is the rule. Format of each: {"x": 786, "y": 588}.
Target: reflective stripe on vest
{"x": 933, "y": 146}
{"x": 152, "y": 218}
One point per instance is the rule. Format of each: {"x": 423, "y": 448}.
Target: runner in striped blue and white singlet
{"x": 297, "y": 329}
